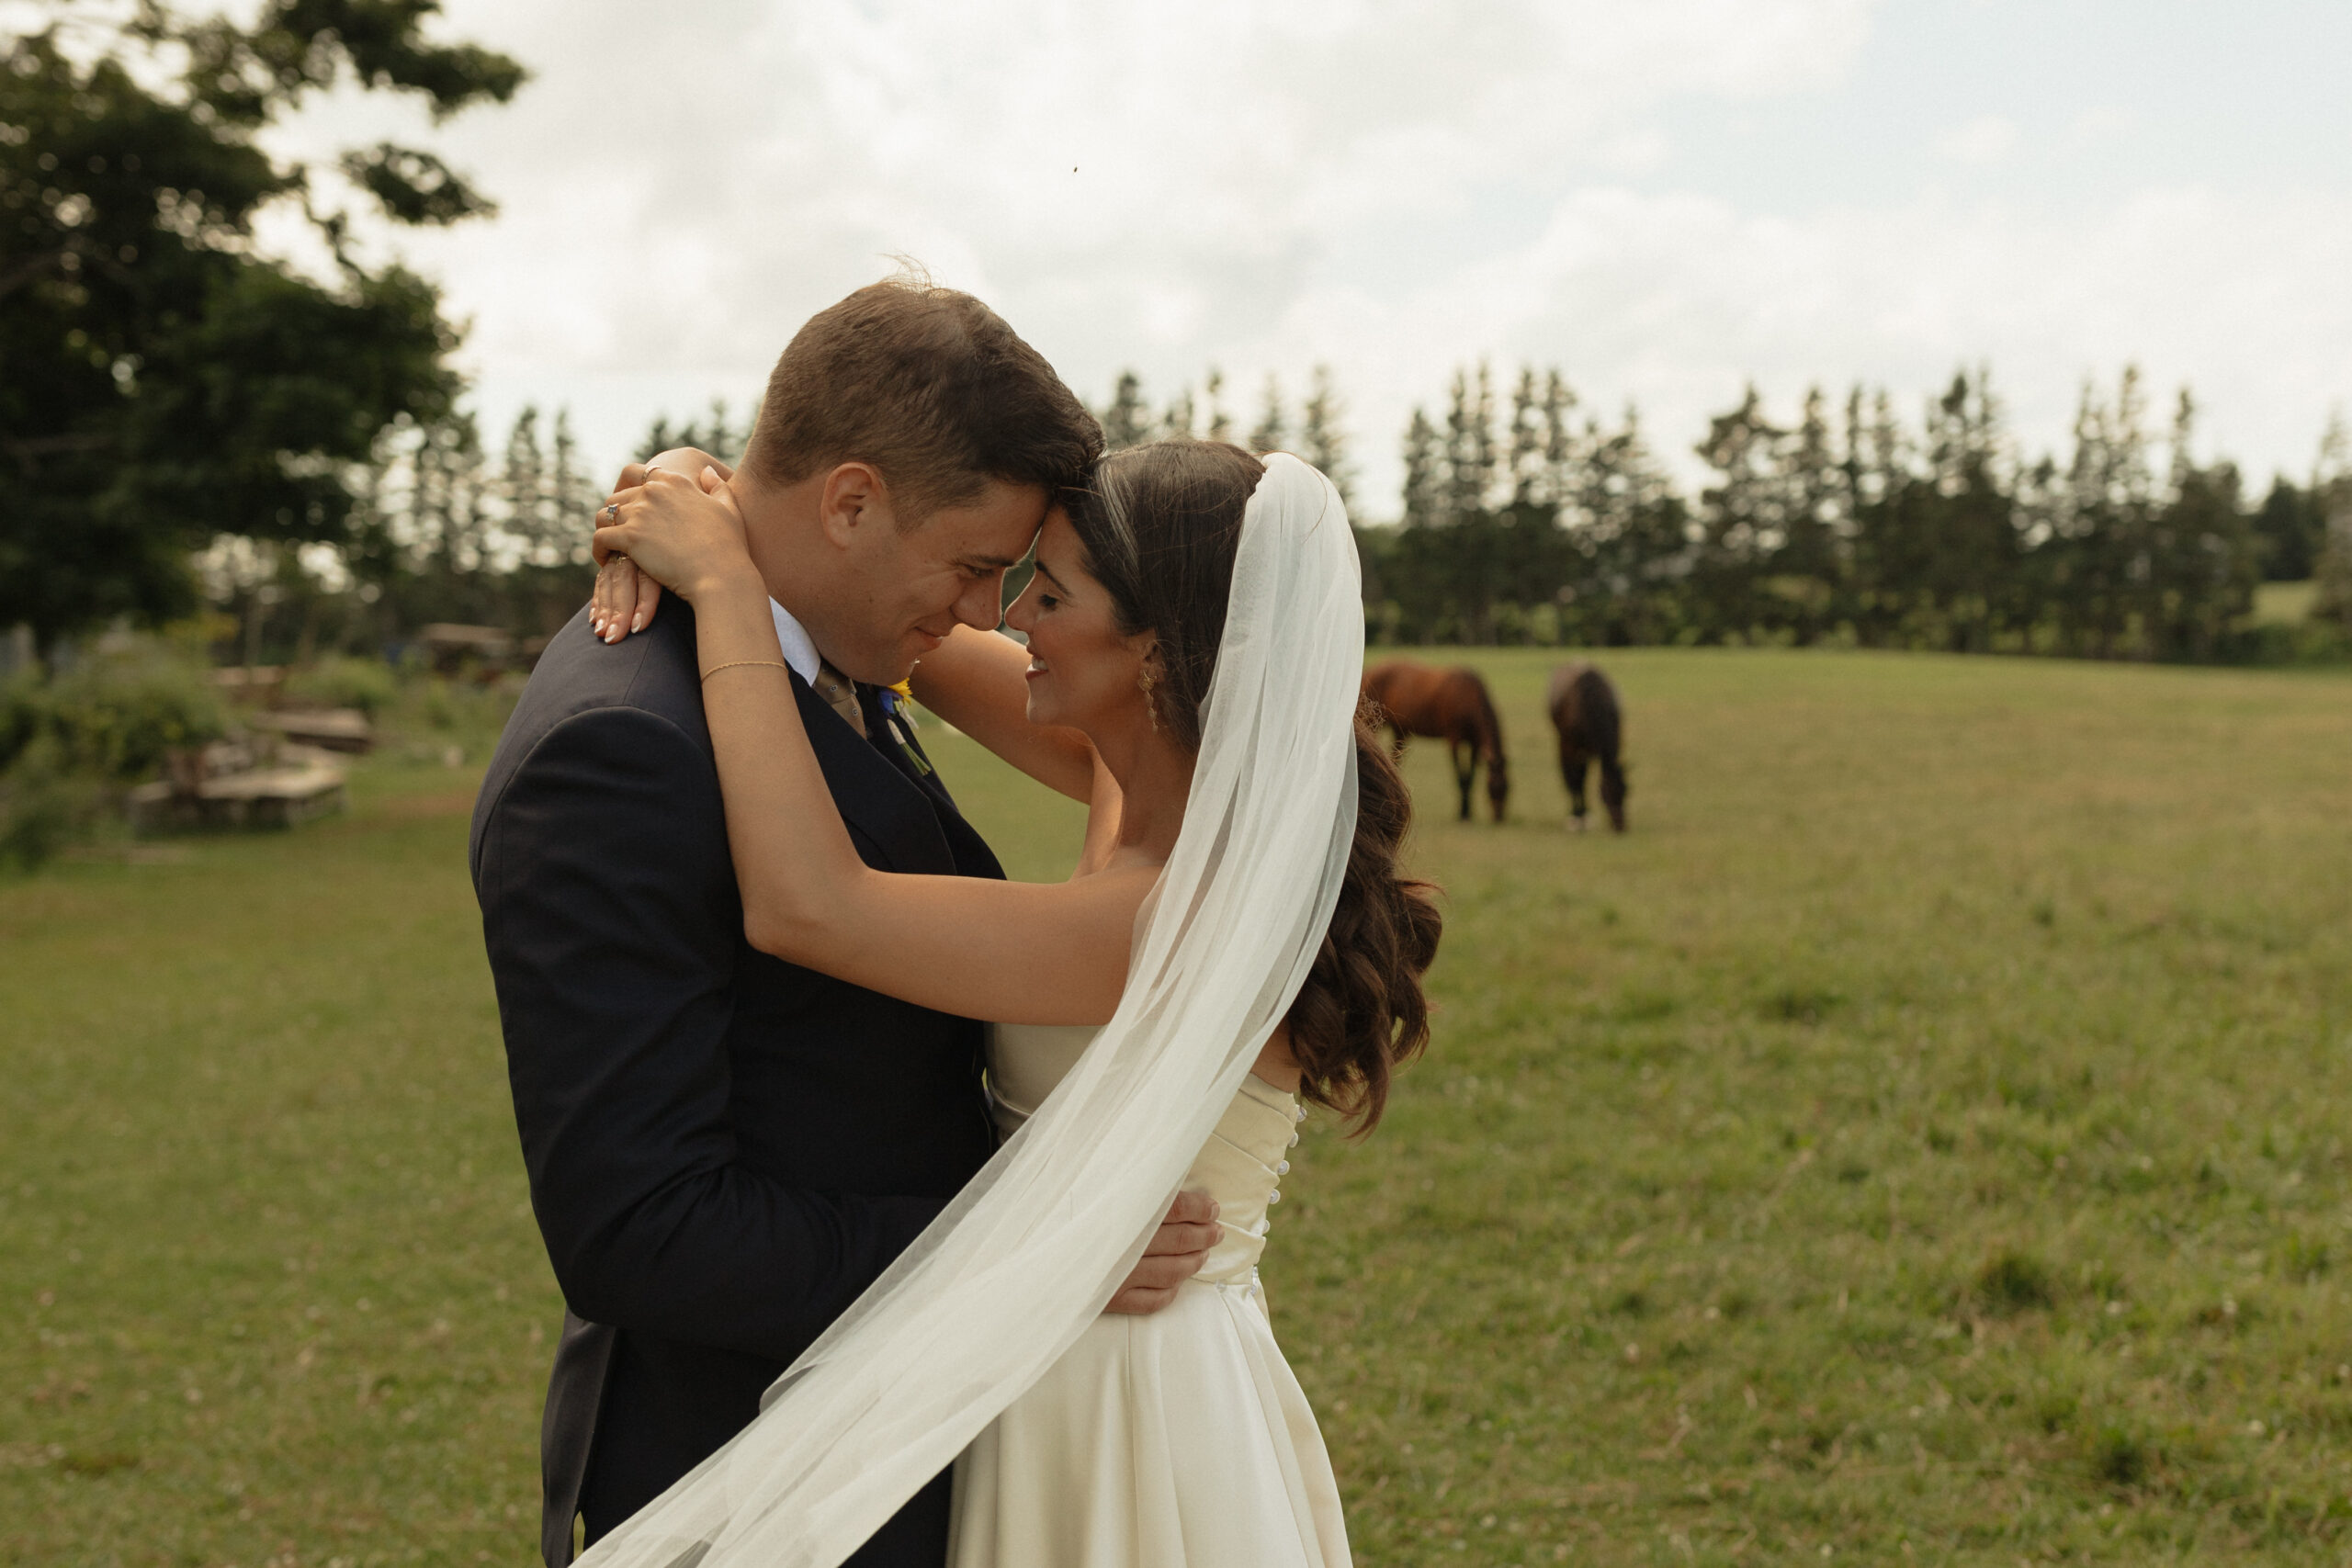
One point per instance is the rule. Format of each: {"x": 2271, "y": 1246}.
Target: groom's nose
{"x": 981, "y": 605}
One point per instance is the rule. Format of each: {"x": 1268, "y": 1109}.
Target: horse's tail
{"x": 1489, "y": 720}
{"x": 1598, "y": 715}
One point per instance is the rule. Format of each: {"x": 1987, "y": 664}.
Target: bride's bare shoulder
{"x": 1275, "y": 1064}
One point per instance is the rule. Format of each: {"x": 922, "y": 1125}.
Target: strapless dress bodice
{"x": 1241, "y": 1165}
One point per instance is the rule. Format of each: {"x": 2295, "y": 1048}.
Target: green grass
{"x": 1921, "y": 1138}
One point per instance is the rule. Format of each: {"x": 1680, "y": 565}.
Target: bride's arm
{"x": 1021, "y": 952}
{"x": 974, "y": 682}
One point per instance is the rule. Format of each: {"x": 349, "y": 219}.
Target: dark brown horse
{"x": 1584, "y": 710}
{"x": 1452, "y": 706}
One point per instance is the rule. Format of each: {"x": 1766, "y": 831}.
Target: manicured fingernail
{"x": 638, "y": 625}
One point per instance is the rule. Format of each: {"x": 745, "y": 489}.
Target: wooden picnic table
{"x": 281, "y": 796}
{"x": 336, "y": 729}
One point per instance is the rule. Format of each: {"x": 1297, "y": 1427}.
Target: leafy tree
{"x": 1560, "y": 448}
{"x": 1177, "y": 420}
{"x": 2331, "y": 498}
{"x": 1970, "y": 542}
{"x": 713, "y": 433}
{"x": 167, "y": 383}
{"x": 1322, "y": 440}
{"x": 2289, "y": 526}
{"x": 1741, "y": 516}
{"x": 1632, "y": 533}
{"x": 1127, "y": 420}
{"x": 1272, "y": 433}
{"x": 2203, "y": 561}
{"x": 1809, "y": 570}
{"x": 1220, "y": 426}
{"x": 1422, "y": 468}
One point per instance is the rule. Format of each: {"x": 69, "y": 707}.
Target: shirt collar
{"x": 799, "y": 650}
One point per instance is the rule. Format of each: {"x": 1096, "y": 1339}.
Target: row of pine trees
{"x": 1526, "y": 517}
{"x": 445, "y": 528}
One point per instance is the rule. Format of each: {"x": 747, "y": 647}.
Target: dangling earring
{"x": 1147, "y": 679}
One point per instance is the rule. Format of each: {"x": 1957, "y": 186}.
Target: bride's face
{"x": 1082, "y": 672}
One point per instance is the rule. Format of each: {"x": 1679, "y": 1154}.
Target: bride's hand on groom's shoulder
{"x": 682, "y": 533}
{"x": 624, "y": 599}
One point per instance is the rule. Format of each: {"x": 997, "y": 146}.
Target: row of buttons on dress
{"x": 1297, "y": 1113}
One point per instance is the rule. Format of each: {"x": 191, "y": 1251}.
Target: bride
{"x": 1235, "y": 937}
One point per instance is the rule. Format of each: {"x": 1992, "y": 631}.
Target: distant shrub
{"x": 363, "y": 683}
{"x": 24, "y": 714}
{"x": 2311, "y": 641}
{"x": 44, "y": 806}
{"x": 67, "y": 741}
{"x": 118, "y": 713}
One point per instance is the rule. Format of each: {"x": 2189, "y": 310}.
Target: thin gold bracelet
{"x": 739, "y": 663}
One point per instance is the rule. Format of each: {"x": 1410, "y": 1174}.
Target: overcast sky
{"x": 1664, "y": 197}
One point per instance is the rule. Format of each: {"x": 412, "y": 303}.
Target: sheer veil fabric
{"x": 994, "y": 1292}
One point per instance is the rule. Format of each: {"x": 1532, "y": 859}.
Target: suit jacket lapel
{"x": 972, "y": 854}
{"x": 881, "y": 804}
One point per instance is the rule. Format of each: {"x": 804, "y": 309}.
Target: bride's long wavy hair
{"x": 1160, "y": 525}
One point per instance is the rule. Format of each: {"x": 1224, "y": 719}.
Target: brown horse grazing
{"x": 1584, "y": 710}
{"x": 1452, "y": 706}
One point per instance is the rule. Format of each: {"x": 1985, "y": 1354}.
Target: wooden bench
{"x": 282, "y": 796}
{"x": 335, "y": 729}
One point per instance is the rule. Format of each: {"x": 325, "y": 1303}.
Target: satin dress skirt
{"x": 1177, "y": 1440}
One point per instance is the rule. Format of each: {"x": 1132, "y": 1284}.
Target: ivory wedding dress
{"x": 1176, "y": 1440}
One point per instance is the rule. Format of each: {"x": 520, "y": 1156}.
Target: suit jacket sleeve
{"x": 613, "y": 928}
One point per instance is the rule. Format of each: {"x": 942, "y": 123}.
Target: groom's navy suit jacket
{"x": 724, "y": 1149}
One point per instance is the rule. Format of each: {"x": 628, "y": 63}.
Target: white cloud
{"x": 1987, "y": 139}
{"x": 1675, "y": 301}
{"x": 1392, "y": 185}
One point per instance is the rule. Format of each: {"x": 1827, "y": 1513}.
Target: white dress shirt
{"x": 793, "y": 638}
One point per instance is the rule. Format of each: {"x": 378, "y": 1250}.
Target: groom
{"x": 725, "y": 1149}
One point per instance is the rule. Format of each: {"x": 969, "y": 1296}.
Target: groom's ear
{"x": 855, "y": 496}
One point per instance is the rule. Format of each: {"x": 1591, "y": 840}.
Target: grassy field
{"x": 1921, "y": 1140}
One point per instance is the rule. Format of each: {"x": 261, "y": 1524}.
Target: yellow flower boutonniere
{"x": 903, "y": 722}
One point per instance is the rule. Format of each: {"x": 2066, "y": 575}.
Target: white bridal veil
{"x": 1010, "y": 1275}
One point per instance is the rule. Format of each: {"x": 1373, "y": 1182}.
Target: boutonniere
{"x": 896, "y": 702}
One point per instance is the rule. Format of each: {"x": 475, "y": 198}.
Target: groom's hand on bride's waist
{"x": 1174, "y": 1255}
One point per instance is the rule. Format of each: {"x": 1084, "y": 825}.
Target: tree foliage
{"x": 167, "y": 384}
{"x": 1532, "y": 525}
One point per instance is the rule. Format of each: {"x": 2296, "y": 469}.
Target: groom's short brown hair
{"x": 931, "y": 388}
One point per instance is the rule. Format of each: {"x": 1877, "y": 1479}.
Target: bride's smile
{"x": 1083, "y": 672}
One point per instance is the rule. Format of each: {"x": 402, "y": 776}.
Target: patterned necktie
{"x": 840, "y": 694}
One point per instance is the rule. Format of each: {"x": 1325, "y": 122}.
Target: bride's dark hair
{"x": 1160, "y": 525}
